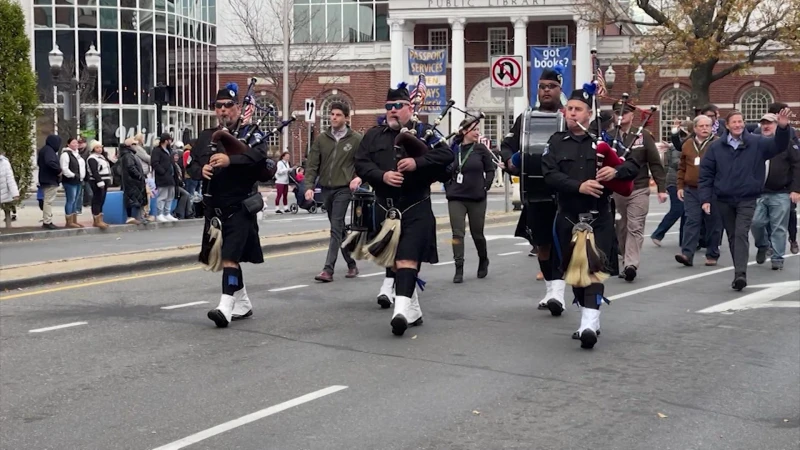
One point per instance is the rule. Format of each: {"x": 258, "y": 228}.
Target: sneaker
{"x": 161, "y": 218}
{"x": 777, "y": 265}
{"x": 657, "y": 242}
{"x": 278, "y": 211}
{"x": 171, "y": 218}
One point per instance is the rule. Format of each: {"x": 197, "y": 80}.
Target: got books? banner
{"x": 542, "y": 58}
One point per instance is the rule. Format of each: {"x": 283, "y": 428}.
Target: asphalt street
{"x": 273, "y": 224}
{"x": 133, "y": 364}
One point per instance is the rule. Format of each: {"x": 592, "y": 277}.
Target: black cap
{"x": 165, "y": 137}
{"x": 582, "y": 95}
{"x": 627, "y": 107}
{"x": 229, "y": 92}
{"x": 399, "y": 94}
{"x": 552, "y": 75}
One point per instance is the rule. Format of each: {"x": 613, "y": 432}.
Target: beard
{"x": 394, "y": 123}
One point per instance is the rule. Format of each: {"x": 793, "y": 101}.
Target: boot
{"x": 103, "y": 224}
{"x": 590, "y": 323}
{"x": 459, "y": 276}
{"x": 75, "y": 223}
{"x": 483, "y": 258}
{"x": 97, "y": 221}
{"x": 556, "y": 301}
{"x": 242, "y": 308}
{"x": 224, "y": 312}
{"x": 386, "y": 294}
{"x": 406, "y": 312}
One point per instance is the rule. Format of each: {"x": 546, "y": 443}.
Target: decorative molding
{"x": 480, "y": 98}
{"x": 457, "y": 23}
{"x": 762, "y": 70}
{"x": 674, "y": 73}
{"x": 339, "y": 79}
{"x": 520, "y": 22}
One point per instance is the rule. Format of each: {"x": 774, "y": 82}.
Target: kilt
{"x": 418, "y": 231}
{"x": 536, "y": 223}
{"x": 240, "y": 241}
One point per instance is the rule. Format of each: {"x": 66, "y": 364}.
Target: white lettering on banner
{"x": 549, "y": 64}
{"x": 481, "y": 3}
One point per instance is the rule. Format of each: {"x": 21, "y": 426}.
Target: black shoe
{"x": 241, "y": 316}
{"x": 49, "y": 226}
{"x": 483, "y": 268}
{"x": 577, "y": 335}
{"x": 685, "y": 260}
{"x": 739, "y": 283}
{"x": 384, "y": 301}
{"x": 588, "y": 338}
{"x": 761, "y": 255}
{"x": 399, "y": 325}
{"x": 218, "y": 318}
{"x": 630, "y": 273}
{"x": 555, "y": 307}
{"x": 459, "y": 276}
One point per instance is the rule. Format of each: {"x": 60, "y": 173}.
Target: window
{"x": 491, "y": 127}
{"x": 498, "y": 41}
{"x": 325, "y": 111}
{"x": 557, "y": 36}
{"x": 339, "y": 21}
{"x": 754, "y": 104}
{"x": 268, "y": 122}
{"x": 438, "y": 38}
{"x": 674, "y": 103}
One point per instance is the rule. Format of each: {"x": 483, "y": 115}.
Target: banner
{"x": 432, "y": 64}
{"x": 546, "y": 58}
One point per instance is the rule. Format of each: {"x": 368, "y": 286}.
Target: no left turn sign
{"x": 506, "y": 72}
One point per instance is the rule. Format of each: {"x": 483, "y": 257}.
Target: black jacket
{"x": 376, "y": 156}
{"x": 163, "y": 167}
{"x": 477, "y": 173}
{"x": 133, "y": 179}
{"x": 784, "y": 171}
{"x": 47, "y": 160}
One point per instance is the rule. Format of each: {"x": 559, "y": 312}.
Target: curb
{"x": 127, "y": 268}
{"x": 68, "y": 232}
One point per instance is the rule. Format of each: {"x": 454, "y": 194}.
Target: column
{"x": 457, "y": 71}
{"x": 399, "y": 60}
{"x": 583, "y": 56}
{"x": 521, "y": 48}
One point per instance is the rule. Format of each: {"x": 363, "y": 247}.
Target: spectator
{"x": 134, "y": 191}
{"x": 282, "y": 183}
{"x": 9, "y": 192}
{"x": 99, "y": 180}
{"x": 73, "y": 169}
{"x": 163, "y": 165}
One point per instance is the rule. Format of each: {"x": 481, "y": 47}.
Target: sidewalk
{"x": 118, "y": 260}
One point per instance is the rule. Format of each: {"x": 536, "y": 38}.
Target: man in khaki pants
{"x": 49, "y": 172}
{"x": 633, "y": 209}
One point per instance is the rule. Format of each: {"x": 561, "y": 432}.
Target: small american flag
{"x": 601, "y": 83}
{"x": 485, "y": 141}
{"x": 249, "y": 109}
{"x": 419, "y": 90}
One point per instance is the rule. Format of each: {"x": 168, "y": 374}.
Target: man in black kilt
{"x": 403, "y": 184}
{"x": 231, "y": 200}
{"x": 536, "y": 221}
{"x": 569, "y": 167}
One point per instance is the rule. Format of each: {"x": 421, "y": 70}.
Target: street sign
{"x": 760, "y": 299}
{"x": 507, "y": 72}
{"x": 311, "y": 110}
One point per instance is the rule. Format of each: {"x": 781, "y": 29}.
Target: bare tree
{"x": 262, "y": 40}
{"x": 700, "y": 34}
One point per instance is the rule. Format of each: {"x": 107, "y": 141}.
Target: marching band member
{"x": 404, "y": 186}
{"x": 229, "y": 185}
{"x": 466, "y": 193}
{"x": 569, "y": 168}
{"x": 536, "y": 221}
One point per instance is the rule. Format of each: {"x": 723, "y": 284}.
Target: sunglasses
{"x": 229, "y": 104}
{"x": 396, "y": 105}
{"x": 550, "y": 87}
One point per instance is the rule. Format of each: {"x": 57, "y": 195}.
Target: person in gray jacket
{"x": 332, "y": 160}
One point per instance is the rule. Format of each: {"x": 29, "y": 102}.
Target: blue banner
{"x": 432, "y": 64}
{"x": 546, "y": 58}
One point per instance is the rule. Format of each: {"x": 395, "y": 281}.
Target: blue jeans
{"x": 770, "y": 223}
{"x": 71, "y": 206}
{"x": 675, "y": 212}
{"x": 192, "y": 186}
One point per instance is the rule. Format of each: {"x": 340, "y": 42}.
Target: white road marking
{"x": 443, "y": 263}
{"x": 183, "y": 305}
{"x": 493, "y": 237}
{"x": 57, "y": 327}
{"x": 288, "y": 288}
{"x": 509, "y": 253}
{"x": 317, "y": 219}
{"x": 244, "y": 420}
{"x": 372, "y": 274}
{"x": 759, "y": 299}
{"x": 678, "y": 280}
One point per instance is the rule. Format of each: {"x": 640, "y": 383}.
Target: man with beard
{"x": 404, "y": 185}
{"x": 536, "y": 221}
{"x": 231, "y": 200}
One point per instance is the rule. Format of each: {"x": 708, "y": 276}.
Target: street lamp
{"x": 610, "y": 77}
{"x": 638, "y": 77}
{"x": 69, "y": 84}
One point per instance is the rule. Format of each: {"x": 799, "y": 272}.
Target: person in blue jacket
{"x": 732, "y": 175}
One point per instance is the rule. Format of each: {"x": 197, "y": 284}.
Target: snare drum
{"x": 362, "y": 210}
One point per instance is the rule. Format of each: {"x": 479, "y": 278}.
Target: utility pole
{"x": 286, "y": 37}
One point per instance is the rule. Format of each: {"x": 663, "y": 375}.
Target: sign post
{"x": 506, "y": 74}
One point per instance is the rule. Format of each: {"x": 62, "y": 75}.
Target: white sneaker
{"x": 161, "y": 218}
{"x": 223, "y": 313}
{"x": 386, "y": 294}
{"x": 406, "y": 312}
{"x": 242, "y": 308}
{"x": 171, "y": 218}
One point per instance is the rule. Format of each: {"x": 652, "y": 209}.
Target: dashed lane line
{"x": 57, "y": 327}
{"x": 184, "y": 305}
{"x": 288, "y": 288}
{"x": 508, "y": 253}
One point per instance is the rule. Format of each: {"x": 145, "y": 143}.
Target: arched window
{"x": 674, "y": 103}
{"x": 268, "y": 122}
{"x": 755, "y": 103}
{"x": 325, "y": 111}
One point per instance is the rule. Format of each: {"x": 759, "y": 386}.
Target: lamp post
{"x": 70, "y": 85}
{"x": 638, "y": 78}
{"x": 610, "y": 77}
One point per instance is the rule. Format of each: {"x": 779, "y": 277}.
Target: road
{"x": 485, "y": 371}
{"x": 99, "y": 244}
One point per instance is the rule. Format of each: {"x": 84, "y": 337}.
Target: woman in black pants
{"x": 472, "y": 174}
{"x": 100, "y": 179}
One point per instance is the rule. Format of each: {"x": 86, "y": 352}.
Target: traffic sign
{"x": 311, "y": 110}
{"x": 507, "y": 72}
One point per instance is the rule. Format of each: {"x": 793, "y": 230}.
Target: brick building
{"x": 473, "y": 31}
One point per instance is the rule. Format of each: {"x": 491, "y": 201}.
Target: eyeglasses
{"x": 220, "y": 105}
{"x": 396, "y": 105}
{"x": 551, "y": 87}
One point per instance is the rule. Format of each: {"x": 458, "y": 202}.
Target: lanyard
{"x": 702, "y": 146}
{"x": 462, "y": 161}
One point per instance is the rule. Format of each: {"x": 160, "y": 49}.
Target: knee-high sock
{"x": 405, "y": 282}
{"x": 593, "y": 295}
{"x": 579, "y": 295}
{"x": 546, "y": 267}
{"x": 389, "y": 273}
{"x": 232, "y": 280}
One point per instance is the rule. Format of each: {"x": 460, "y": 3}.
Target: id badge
{"x": 697, "y": 161}
{"x": 460, "y": 178}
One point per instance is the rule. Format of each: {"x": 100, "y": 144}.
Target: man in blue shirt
{"x": 732, "y": 175}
